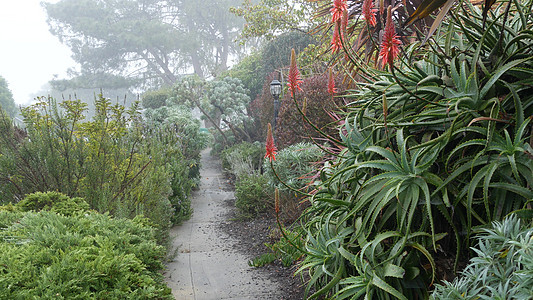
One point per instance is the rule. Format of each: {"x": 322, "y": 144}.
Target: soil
{"x": 250, "y": 236}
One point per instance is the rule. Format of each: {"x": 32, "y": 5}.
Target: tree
{"x": 269, "y": 18}
{"x": 7, "y": 103}
{"x": 226, "y": 100}
{"x": 147, "y": 40}
{"x": 221, "y": 100}
{"x": 211, "y": 33}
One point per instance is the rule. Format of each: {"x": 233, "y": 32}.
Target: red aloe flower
{"x": 336, "y": 11}
{"x": 344, "y": 23}
{"x": 332, "y": 90}
{"x": 294, "y": 75}
{"x": 389, "y": 46}
{"x": 336, "y": 43}
{"x": 369, "y": 12}
{"x": 270, "y": 147}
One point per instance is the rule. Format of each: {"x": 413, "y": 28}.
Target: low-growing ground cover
{"x": 85, "y": 255}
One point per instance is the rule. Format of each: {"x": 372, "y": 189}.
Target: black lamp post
{"x": 275, "y": 91}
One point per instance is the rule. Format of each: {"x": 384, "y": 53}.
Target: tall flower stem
{"x": 285, "y": 184}
{"x": 369, "y": 77}
{"x": 289, "y": 240}
{"x": 325, "y": 135}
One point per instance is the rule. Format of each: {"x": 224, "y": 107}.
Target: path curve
{"x": 206, "y": 266}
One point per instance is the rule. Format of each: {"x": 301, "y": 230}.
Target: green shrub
{"x": 116, "y": 162}
{"x": 92, "y": 256}
{"x": 156, "y": 99}
{"x": 243, "y": 158}
{"x": 294, "y": 166}
{"x": 502, "y": 268}
{"x": 176, "y": 141}
{"x": 252, "y": 194}
{"x": 53, "y": 201}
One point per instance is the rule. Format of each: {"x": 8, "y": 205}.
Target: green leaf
{"x": 380, "y": 283}
{"x": 424, "y": 10}
{"x": 502, "y": 70}
{"x": 392, "y": 270}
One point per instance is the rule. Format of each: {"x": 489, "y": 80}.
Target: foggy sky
{"x": 29, "y": 54}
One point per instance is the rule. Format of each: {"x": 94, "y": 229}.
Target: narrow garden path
{"x": 206, "y": 266}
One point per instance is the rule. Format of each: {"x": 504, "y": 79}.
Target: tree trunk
{"x": 212, "y": 121}
{"x": 155, "y": 68}
{"x": 197, "y": 65}
{"x": 164, "y": 65}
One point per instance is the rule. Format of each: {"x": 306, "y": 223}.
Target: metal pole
{"x": 276, "y": 109}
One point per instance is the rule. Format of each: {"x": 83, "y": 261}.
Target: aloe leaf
{"x": 335, "y": 202}
{"x": 438, "y": 20}
{"x": 520, "y": 190}
{"x": 355, "y": 289}
{"x": 488, "y": 176}
{"x": 424, "y": 10}
{"x": 336, "y": 278}
{"x": 380, "y": 283}
{"x": 502, "y": 70}
{"x": 426, "y": 253}
{"x": 424, "y": 187}
{"x": 392, "y": 270}
{"x": 387, "y": 154}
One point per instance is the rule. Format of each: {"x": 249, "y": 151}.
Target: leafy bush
{"x": 251, "y": 71}
{"x": 243, "y": 158}
{"x": 295, "y": 166}
{"x": 156, "y": 99}
{"x": 53, "y": 201}
{"x": 252, "y": 194}
{"x": 113, "y": 161}
{"x": 176, "y": 141}
{"x": 502, "y": 268}
{"x": 46, "y": 255}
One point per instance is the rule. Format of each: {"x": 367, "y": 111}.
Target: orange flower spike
{"x": 332, "y": 90}
{"x": 336, "y": 11}
{"x": 270, "y": 147}
{"x": 389, "y": 46}
{"x": 344, "y": 24}
{"x": 294, "y": 75}
{"x": 369, "y": 13}
{"x": 336, "y": 43}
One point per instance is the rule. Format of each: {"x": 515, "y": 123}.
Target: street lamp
{"x": 275, "y": 91}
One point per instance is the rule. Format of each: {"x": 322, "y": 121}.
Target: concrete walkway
{"x": 206, "y": 267}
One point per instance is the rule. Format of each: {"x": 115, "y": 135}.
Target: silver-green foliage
{"x": 502, "y": 267}
{"x": 243, "y": 158}
{"x": 295, "y": 165}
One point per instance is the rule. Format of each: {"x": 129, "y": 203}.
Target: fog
{"x": 143, "y": 44}
{"x": 29, "y": 54}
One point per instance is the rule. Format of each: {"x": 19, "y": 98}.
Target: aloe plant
{"x": 434, "y": 149}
